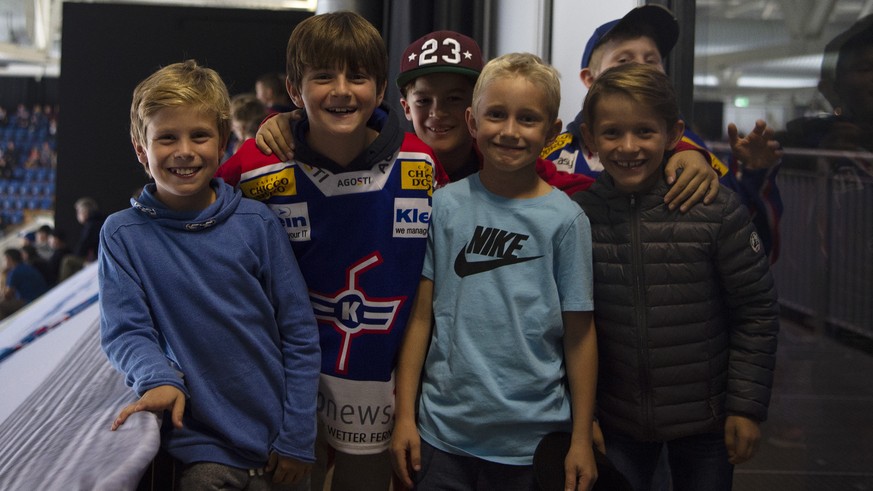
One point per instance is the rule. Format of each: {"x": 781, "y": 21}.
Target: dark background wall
{"x": 27, "y": 90}
{"x": 108, "y": 49}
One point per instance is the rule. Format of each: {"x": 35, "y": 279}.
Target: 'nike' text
{"x": 491, "y": 242}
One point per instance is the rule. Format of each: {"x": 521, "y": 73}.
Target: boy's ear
{"x": 406, "y": 108}
{"x": 471, "y": 122}
{"x": 555, "y": 130}
{"x": 294, "y": 94}
{"x": 587, "y": 77}
{"x": 676, "y": 134}
{"x": 141, "y": 155}
{"x": 381, "y": 94}
{"x": 588, "y": 137}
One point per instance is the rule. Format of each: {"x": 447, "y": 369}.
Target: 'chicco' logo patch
{"x": 282, "y": 183}
{"x": 416, "y": 174}
{"x": 559, "y": 142}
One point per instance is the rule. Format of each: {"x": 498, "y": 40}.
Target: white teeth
{"x": 439, "y": 130}
{"x": 184, "y": 171}
{"x": 629, "y": 164}
{"x": 340, "y": 110}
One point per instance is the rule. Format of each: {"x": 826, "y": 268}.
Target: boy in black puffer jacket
{"x": 684, "y": 303}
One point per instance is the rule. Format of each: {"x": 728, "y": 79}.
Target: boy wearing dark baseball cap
{"x": 647, "y": 34}
{"x": 437, "y": 75}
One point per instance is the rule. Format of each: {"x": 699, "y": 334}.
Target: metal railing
{"x": 825, "y": 268}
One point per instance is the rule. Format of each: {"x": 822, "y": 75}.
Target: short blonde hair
{"x": 526, "y": 65}
{"x": 337, "y": 39}
{"x": 645, "y": 84}
{"x": 180, "y": 84}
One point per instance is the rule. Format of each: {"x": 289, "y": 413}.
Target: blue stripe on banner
{"x": 40, "y": 331}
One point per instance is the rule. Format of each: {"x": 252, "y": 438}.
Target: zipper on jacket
{"x": 640, "y": 316}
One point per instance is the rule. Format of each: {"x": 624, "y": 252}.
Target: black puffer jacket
{"x": 686, "y": 313}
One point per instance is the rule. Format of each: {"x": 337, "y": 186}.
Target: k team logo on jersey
{"x": 353, "y": 313}
{"x": 295, "y": 218}
{"x": 411, "y": 217}
{"x": 280, "y": 183}
{"x": 498, "y": 246}
{"x": 417, "y": 174}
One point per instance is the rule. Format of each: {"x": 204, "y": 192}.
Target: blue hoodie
{"x": 213, "y": 303}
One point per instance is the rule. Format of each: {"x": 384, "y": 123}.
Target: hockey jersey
{"x": 359, "y": 234}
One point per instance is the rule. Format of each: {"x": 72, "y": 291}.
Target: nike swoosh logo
{"x": 464, "y": 268}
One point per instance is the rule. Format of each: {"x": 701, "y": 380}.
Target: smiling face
{"x": 631, "y": 139}
{"x": 510, "y": 124}
{"x": 181, "y": 152}
{"x": 436, "y": 104}
{"x": 338, "y": 101}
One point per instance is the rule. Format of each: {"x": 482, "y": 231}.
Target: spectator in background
{"x": 42, "y": 242}
{"x": 270, "y": 89}
{"x": 32, "y": 160}
{"x": 47, "y": 156}
{"x": 30, "y": 256}
{"x": 22, "y": 283}
{"x": 246, "y": 114}
{"x": 85, "y": 251}
{"x": 22, "y": 116}
{"x": 60, "y": 250}
{"x": 11, "y": 155}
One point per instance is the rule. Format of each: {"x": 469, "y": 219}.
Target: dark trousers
{"x": 696, "y": 462}
{"x": 444, "y": 471}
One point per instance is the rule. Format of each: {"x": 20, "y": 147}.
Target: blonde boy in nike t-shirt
{"x": 507, "y": 278}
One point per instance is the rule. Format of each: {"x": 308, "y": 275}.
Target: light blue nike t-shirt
{"x": 504, "y": 270}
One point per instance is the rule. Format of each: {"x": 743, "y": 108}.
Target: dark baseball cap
{"x": 659, "y": 21}
{"x": 440, "y": 52}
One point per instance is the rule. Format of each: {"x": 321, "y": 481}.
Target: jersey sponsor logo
{"x": 416, "y": 174}
{"x": 295, "y": 218}
{"x": 262, "y": 188}
{"x": 566, "y": 161}
{"x": 352, "y": 182}
{"x": 352, "y": 313}
{"x": 493, "y": 243}
{"x": 411, "y": 217}
{"x": 558, "y": 143}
